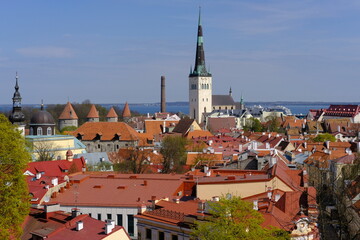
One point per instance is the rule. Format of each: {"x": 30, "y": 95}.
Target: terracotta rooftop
{"x": 112, "y": 113}
{"x": 126, "y": 111}
{"x": 107, "y": 130}
{"x": 110, "y": 189}
{"x": 68, "y": 112}
{"x": 155, "y": 127}
{"x": 93, "y": 113}
{"x": 59, "y": 225}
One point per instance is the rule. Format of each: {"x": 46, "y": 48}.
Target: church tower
{"x": 17, "y": 117}
{"x": 200, "y": 82}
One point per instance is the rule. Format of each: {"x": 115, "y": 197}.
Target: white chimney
{"x": 338, "y": 128}
{"x": 79, "y": 225}
{"x": 216, "y": 198}
{"x": 240, "y": 148}
{"x": 269, "y": 194}
{"x": 206, "y": 169}
{"x": 267, "y": 145}
{"x": 210, "y": 142}
{"x": 38, "y": 176}
{"x": 277, "y": 197}
{"x": 255, "y": 207}
{"x": 208, "y": 173}
{"x": 108, "y": 228}
{"x": 54, "y": 181}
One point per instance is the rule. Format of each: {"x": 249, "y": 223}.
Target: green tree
{"x": 68, "y": 129}
{"x": 233, "y": 218}
{"x": 254, "y": 125}
{"x": 173, "y": 149}
{"x": 14, "y": 195}
{"x": 135, "y": 161}
{"x": 324, "y": 137}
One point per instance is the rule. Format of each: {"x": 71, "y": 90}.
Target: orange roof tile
{"x": 107, "y": 130}
{"x": 93, "y": 113}
{"x": 193, "y": 157}
{"x": 68, "y": 112}
{"x": 112, "y": 113}
{"x": 126, "y": 111}
{"x": 199, "y": 133}
{"x": 155, "y": 127}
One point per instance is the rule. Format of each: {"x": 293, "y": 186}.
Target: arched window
{"x": 48, "y": 131}
{"x": 207, "y": 86}
{"x": 194, "y": 114}
{"x": 39, "y": 131}
{"x": 31, "y": 131}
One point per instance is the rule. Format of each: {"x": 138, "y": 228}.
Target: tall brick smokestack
{"x": 163, "y": 101}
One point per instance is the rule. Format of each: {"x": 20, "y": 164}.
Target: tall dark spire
{"x": 16, "y": 116}
{"x": 199, "y": 68}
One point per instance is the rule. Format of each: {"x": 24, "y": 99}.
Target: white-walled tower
{"x": 200, "y": 82}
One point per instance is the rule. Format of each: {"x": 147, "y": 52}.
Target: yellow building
{"x": 54, "y": 146}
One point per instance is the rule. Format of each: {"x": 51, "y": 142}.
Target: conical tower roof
{"x": 93, "y": 113}
{"x": 126, "y": 111}
{"x": 68, "y": 112}
{"x": 112, "y": 113}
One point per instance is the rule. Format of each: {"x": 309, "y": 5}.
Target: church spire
{"x": 17, "y": 116}
{"x": 199, "y": 68}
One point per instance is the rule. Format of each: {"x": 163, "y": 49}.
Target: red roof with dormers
{"x": 59, "y": 225}
{"x": 107, "y": 131}
{"x": 68, "y": 112}
{"x": 343, "y": 110}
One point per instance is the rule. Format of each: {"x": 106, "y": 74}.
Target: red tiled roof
{"x": 215, "y": 124}
{"x": 93, "y": 113}
{"x": 126, "y": 111}
{"x": 60, "y": 226}
{"x": 199, "y": 133}
{"x": 155, "y": 127}
{"x": 54, "y": 168}
{"x": 343, "y": 110}
{"x": 68, "y": 112}
{"x": 107, "y": 130}
{"x": 138, "y": 189}
{"x": 112, "y": 113}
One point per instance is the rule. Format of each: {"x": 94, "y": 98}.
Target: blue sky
{"x": 115, "y": 51}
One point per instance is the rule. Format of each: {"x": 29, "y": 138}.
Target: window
{"x": 90, "y": 214}
{"x": 98, "y": 145}
{"x": 161, "y": 236}
{"x": 31, "y": 131}
{"x": 99, "y": 216}
{"x": 130, "y": 219}
{"x": 109, "y": 216}
{"x": 48, "y": 131}
{"x": 39, "y": 131}
{"x": 174, "y": 237}
{"x": 119, "y": 220}
{"x": 148, "y": 233}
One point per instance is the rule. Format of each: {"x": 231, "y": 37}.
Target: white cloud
{"x": 46, "y": 52}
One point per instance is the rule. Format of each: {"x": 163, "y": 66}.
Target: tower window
{"x": 39, "y": 131}
{"x": 31, "y": 131}
{"x": 48, "y": 131}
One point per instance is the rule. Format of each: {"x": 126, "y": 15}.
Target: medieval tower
{"x": 200, "y": 82}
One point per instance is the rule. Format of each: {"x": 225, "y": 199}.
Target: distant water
{"x": 175, "y": 107}
{"x": 295, "y": 108}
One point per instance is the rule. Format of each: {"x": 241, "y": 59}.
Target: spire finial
{"x": 16, "y": 84}
{"x": 199, "y": 23}
{"x": 42, "y": 104}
